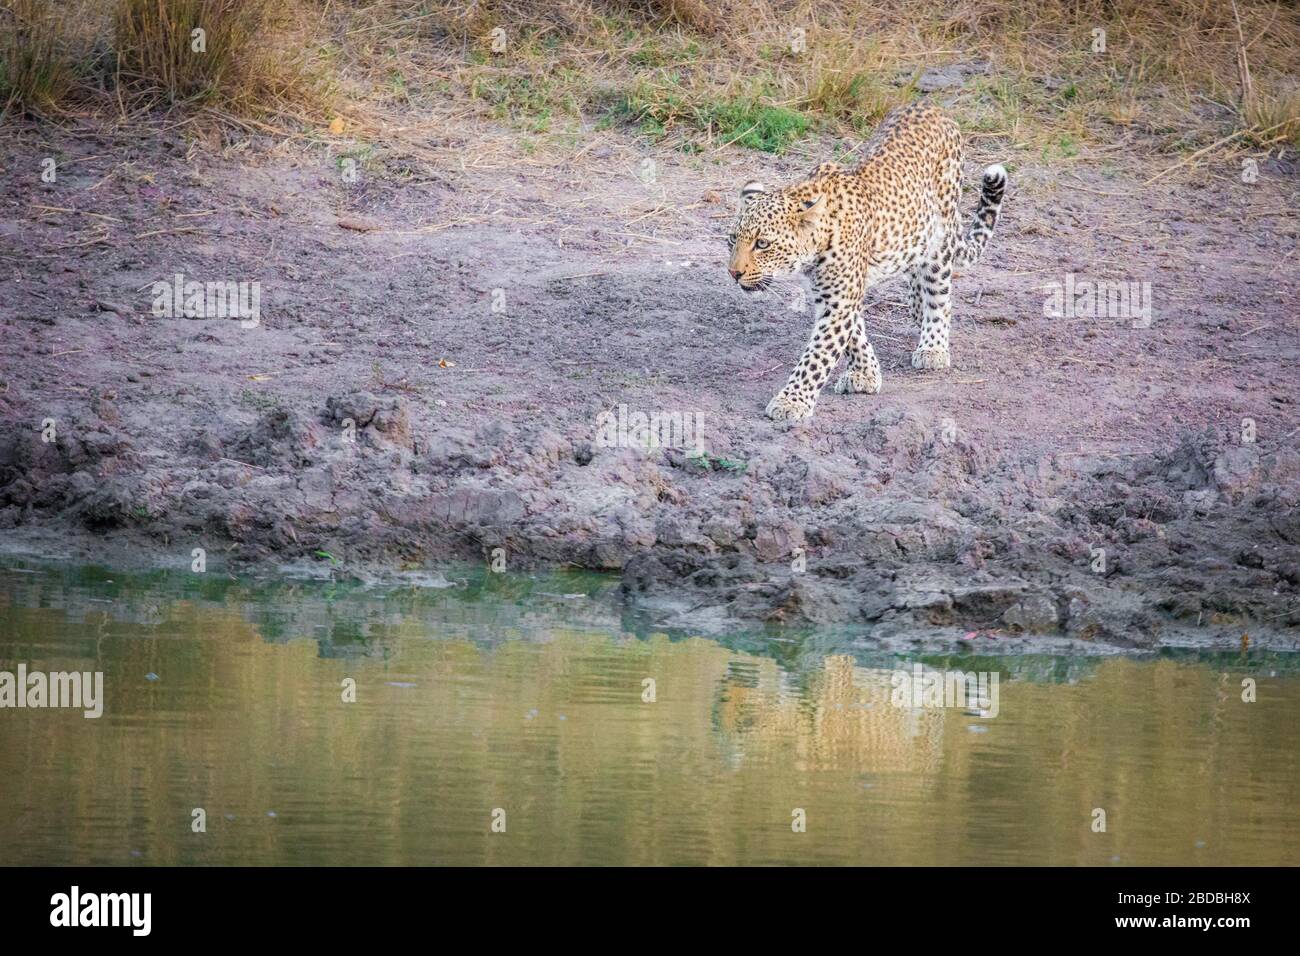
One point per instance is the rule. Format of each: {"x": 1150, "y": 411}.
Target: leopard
{"x": 846, "y": 230}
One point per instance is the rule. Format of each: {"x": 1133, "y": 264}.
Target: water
{"x": 525, "y": 695}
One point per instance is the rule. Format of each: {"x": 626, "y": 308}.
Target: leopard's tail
{"x": 981, "y": 226}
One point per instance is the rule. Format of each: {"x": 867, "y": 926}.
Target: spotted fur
{"x": 849, "y": 229}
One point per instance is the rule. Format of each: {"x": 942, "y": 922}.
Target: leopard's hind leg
{"x": 932, "y": 277}
{"x": 935, "y": 275}
{"x": 917, "y": 299}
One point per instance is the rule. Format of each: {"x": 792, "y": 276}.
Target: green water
{"x": 524, "y": 700}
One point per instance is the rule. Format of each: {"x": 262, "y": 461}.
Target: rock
{"x": 724, "y": 532}
{"x": 1034, "y": 613}
{"x": 205, "y": 446}
{"x": 1236, "y": 469}
{"x": 985, "y": 601}
{"x": 375, "y": 420}
{"x": 111, "y": 506}
{"x": 677, "y": 532}
{"x": 776, "y": 541}
{"x": 944, "y": 77}
{"x": 477, "y": 507}
{"x": 281, "y": 436}
{"x": 116, "y": 308}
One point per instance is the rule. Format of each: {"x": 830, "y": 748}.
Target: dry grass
{"x": 35, "y": 70}
{"x": 698, "y": 75}
{"x": 245, "y": 56}
{"x": 189, "y": 49}
{"x": 681, "y": 69}
{"x": 1274, "y": 118}
{"x": 251, "y": 57}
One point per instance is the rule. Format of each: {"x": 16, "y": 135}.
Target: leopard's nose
{"x": 736, "y": 274}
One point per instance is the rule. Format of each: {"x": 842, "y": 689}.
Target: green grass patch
{"x": 742, "y": 120}
{"x": 706, "y": 462}
{"x": 527, "y": 101}
{"x": 749, "y": 123}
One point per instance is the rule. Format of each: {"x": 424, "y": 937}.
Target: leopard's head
{"x": 776, "y": 234}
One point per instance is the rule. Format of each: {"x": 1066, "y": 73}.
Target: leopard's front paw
{"x": 864, "y": 380}
{"x": 786, "y": 407}
{"x": 931, "y": 358}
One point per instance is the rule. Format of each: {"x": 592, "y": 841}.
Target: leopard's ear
{"x": 811, "y": 208}
{"x": 751, "y": 191}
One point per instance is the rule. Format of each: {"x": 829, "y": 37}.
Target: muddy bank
{"x": 903, "y": 530}
{"x": 435, "y": 362}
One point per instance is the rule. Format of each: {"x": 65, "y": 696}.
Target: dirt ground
{"x": 1084, "y": 479}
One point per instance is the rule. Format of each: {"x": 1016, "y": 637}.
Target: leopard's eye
{"x": 761, "y": 244}
{"x": 731, "y": 239}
